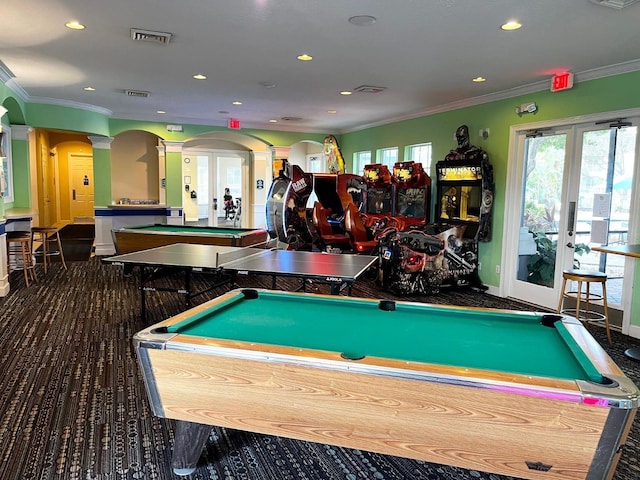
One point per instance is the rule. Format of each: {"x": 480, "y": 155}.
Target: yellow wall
{"x": 134, "y": 166}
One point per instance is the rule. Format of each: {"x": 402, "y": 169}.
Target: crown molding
{"x": 70, "y": 103}
{"x": 594, "y": 74}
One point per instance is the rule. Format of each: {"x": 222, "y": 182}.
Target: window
{"x": 419, "y": 153}
{"x": 360, "y": 159}
{"x": 315, "y": 163}
{"x": 388, "y": 156}
{"x": 6, "y": 180}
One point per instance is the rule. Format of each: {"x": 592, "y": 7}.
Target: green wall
{"x": 591, "y": 97}
{"x": 587, "y": 97}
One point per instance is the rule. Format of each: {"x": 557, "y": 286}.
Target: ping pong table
{"x": 224, "y": 264}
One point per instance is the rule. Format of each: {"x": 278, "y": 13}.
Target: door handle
{"x": 74, "y": 194}
{"x": 571, "y": 218}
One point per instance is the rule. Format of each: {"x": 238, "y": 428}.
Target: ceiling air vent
{"x": 292, "y": 119}
{"x": 617, "y": 4}
{"x": 137, "y": 93}
{"x": 140, "y": 35}
{"x": 369, "y": 89}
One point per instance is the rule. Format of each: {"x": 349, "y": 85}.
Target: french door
{"x": 214, "y": 171}
{"x": 572, "y": 188}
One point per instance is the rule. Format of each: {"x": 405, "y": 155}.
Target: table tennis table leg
{"x": 143, "y": 304}
{"x": 187, "y": 288}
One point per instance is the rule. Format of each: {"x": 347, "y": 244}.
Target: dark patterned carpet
{"x": 73, "y": 404}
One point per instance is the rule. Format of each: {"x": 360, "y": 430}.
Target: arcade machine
{"x": 464, "y": 196}
{"x": 379, "y": 201}
{"x": 412, "y": 193}
{"x": 445, "y": 253}
{"x": 352, "y": 189}
{"x": 287, "y": 208}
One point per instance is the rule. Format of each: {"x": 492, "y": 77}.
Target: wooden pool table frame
{"x": 135, "y": 239}
{"x": 510, "y": 424}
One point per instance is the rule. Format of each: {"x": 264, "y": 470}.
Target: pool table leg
{"x": 190, "y": 439}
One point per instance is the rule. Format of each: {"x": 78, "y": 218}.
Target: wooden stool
{"x": 585, "y": 314}
{"x": 19, "y": 245}
{"x": 48, "y": 236}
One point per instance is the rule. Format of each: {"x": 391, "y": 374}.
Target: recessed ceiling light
{"x": 511, "y": 25}
{"x": 305, "y": 57}
{"x": 161, "y": 112}
{"x": 479, "y": 79}
{"x": 362, "y": 20}
{"x": 268, "y": 84}
{"x": 89, "y": 89}
{"x": 199, "y": 76}
{"x": 237, "y": 102}
{"x": 74, "y": 25}
{"x": 332, "y": 111}
{"x": 273, "y": 120}
{"x": 346, "y": 92}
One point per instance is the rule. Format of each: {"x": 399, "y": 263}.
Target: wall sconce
{"x": 529, "y": 107}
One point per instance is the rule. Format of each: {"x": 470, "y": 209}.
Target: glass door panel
{"x": 604, "y": 202}
{"x": 540, "y": 215}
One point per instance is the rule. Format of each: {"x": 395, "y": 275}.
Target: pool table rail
{"x": 142, "y": 237}
{"x": 525, "y": 426}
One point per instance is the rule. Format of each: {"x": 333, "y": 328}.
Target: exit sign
{"x": 561, "y": 81}
{"x": 234, "y": 123}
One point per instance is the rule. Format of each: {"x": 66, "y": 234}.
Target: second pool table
{"x": 142, "y": 237}
{"x": 526, "y": 394}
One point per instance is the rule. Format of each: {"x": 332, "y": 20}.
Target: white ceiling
{"x": 425, "y": 52}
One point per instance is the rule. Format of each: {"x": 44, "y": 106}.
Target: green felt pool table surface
{"x": 473, "y": 338}
{"x": 193, "y": 229}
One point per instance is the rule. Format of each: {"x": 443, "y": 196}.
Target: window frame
{"x": 358, "y": 165}
{"x": 7, "y": 164}
{"x": 380, "y": 154}
{"x": 408, "y": 155}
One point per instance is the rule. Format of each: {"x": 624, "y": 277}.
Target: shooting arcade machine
{"x": 445, "y": 253}
{"x": 412, "y": 193}
{"x": 464, "y": 196}
{"x": 380, "y": 201}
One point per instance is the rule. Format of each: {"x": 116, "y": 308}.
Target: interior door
{"x": 45, "y": 185}
{"x": 81, "y": 182}
{"x": 215, "y": 171}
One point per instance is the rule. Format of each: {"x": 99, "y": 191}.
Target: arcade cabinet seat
{"x": 361, "y": 239}
{"x": 325, "y": 231}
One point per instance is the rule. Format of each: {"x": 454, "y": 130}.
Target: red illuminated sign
{"x": 561, "y": 81}
{"x": 234, "y": 123}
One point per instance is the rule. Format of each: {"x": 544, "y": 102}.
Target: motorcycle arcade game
{"x": 423, "y": 260}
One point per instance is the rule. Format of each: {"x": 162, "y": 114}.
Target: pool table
{"x": 142, "y": 237}
{"x": 526, "y": 394}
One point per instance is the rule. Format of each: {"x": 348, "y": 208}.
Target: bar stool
{"x": 19, "y": 246}
{"x": 48, "y": 236}
{"x": 579, "y": 295}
